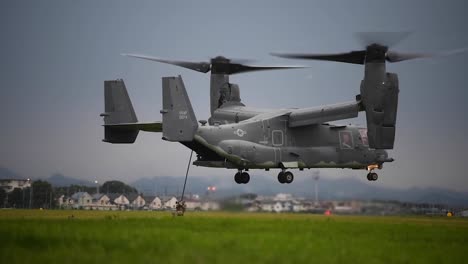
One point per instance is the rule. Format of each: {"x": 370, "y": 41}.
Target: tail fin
{"x": 118, "y": 109}
{"x": 180, "y": 123}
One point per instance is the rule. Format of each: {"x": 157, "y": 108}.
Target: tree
{"x": 15, "y": 198}
{"x": 248, "y": 196}
{"x": 42, "y": 194}
{"x": 117, "y": 187}
{"x": 2, "y": 197}
{"x": 70, "y": 190}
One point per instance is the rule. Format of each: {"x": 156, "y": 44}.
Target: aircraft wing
{"x": 148, "y": 127}
{"x": 322, "y": 114}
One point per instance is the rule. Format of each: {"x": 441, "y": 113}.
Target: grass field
{"x": 33, "y": 236}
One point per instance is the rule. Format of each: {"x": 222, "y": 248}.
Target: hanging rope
{"x": 186, "y": 176}
{"x": 180, "y": 205}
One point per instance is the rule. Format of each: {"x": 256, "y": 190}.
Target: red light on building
{"x": 211, "y": 188}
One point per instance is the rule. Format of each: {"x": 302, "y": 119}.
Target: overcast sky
{"x": 56, "y": 55}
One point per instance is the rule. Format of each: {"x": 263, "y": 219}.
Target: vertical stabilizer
{"x": 180, "y": 123}
{"x": 118, "y": 110}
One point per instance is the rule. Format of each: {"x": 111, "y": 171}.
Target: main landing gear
{"x": 372, "y": 176}
{"x": 241, "y": 177}
{"x": 285, "y": 177}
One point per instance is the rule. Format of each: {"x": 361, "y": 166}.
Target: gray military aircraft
{"x": 243, "y": 138}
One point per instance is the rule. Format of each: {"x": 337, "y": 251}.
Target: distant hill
{"x": 329, "y": 189}
{"x": 59, "y": 180}
{"x": 8, "y": 174}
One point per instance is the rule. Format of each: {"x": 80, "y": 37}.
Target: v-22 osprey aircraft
{"x": 243, "y": 138}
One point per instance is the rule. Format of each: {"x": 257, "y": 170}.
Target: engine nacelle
{"x": 380, "y": 101}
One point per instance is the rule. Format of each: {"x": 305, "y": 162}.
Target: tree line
{"x": 42, "y": 194}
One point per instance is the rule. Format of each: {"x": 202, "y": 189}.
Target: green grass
{"x": 33, "y": 236}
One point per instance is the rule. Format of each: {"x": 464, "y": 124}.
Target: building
{"x": 136, "y": 201}
{"x": 299, "y": 206}
{"x": 346, "y": 207}
{"x": 119, "y": 200}
{"x": 102, "y": 202}
{"x": 193, "y": 204}
{"x": 170, "y": 203}
{"x": 64, "y": 202}
{"x": 8, "y": 185}
{"x": 210, "y": 205}
{"x": 101, "y": 199}
{"x": 82, "y": 200}
{"x": 153, "y": 203}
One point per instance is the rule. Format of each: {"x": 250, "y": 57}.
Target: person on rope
{"x": 180, "y": 207}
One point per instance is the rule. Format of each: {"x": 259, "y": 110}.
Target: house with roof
{"x": 170, "y": 203}
{"x": 64, "y": 202}
{"x": 153, "y": 203}
{"x": 119, "y": 200}
{"x": 8, "y": 185}
{"x": 102, "y": 202}
{"x": 136, "y": 201}
{"x": 81, "y": 200}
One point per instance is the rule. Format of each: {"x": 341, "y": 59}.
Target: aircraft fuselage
{"x": 266, "y": 141}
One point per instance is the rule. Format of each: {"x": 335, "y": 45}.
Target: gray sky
{"x": 56, "y": 55}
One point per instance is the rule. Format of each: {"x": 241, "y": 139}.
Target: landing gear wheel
{"x": 288, "y": 177}
{"x": 281, "y": 178}
{"x": 245, "y": 177}
{"x": 238, "y": 178}
{"x": 372, "y": 176}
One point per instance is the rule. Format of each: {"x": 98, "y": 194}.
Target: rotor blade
{"x": 241, "y": 60}
{"x": 354, "y": 57}
{"x": 240, "y": 68}
{"x": 196, "y": 66}
{"x": 393, "y": 56}
{"x": 452, "y": 52}
{"x": 387, "y": 39}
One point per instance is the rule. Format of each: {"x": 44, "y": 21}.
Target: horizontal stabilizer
{"x": 148, "y": 127}
{"x": 120, "y": 121}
